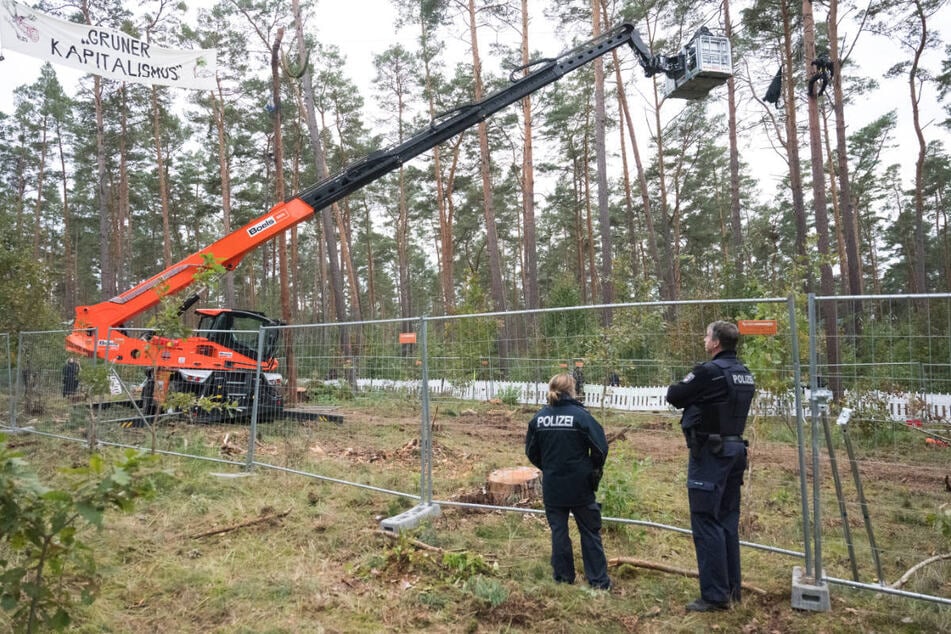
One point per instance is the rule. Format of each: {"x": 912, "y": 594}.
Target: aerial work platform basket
{"x": 708, "y": 63}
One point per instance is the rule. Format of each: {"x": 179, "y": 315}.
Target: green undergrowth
{"x": 224, "y": 550}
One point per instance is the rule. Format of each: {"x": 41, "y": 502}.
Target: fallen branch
{"x": 918, "y": 566}
{"x": 641, "y": 563}
{"x": 228, "y": 529}
{"x": 414, "y": 542}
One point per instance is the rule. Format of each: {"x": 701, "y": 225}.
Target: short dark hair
{"x": 726, "y": 333}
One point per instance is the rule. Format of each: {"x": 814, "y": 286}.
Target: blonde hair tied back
{"x": 560, "y": 384}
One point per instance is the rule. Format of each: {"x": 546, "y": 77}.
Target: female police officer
{"x": 569, "y": 446}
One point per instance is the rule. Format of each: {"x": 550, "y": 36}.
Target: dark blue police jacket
{"x": 569, "y": 446}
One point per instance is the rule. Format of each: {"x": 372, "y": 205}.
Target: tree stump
{"x": 514, "y": 485}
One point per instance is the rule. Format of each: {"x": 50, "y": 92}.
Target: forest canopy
{"x": 596, "y": 188}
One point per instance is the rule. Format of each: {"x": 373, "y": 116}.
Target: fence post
{"x": 10, "y": 385}
{"x": 16, "y": 385}
{"x": 425, "y": 429}
{"x": 800, "y": 432}
{"x": 255, "y": 407}
{"x": 814, "y": 415}
{"x": 810, "y": 591}
{"x": 425, "y": 509}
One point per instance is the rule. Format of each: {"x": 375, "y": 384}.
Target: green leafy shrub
{"x": 509, "y": 395}
{"x": 46, "y": 567}
{"x": 331, "y": 391}
{"x": 487, "y": 589}
{"x": 942, "y": 520}
{"x": 464, "y": 565}
{"x": 619, "y": 488}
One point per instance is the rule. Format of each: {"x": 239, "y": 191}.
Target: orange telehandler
{"x": 221, "y": 360}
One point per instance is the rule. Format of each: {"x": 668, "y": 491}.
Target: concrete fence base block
{"x": 410, "y": 518}
{"x": 807, "y": 594}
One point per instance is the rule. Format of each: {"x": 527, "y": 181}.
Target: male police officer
{"x": 716, "y": 398}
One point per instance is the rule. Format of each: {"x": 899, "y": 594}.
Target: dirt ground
{"x": 657, "y": 438}
{"x": 502, "y": 429}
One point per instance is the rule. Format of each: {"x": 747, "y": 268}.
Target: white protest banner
{"x": 103, "y": 51}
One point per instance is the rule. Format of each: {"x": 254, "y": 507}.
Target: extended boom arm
{"x": 93, "y": 323}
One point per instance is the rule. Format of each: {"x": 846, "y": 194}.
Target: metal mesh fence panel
{"x": 884, "y": 376}
{"x": 192, "y": 412}
{"x": 352, "y": 408}
{"x": 433, "y": 409}
{"x": 102, "y": 401}
{"x": 488, "y": 374}
{"x": 48, "y": 386}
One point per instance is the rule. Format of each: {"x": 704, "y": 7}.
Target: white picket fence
{"x": 900, "y": 407}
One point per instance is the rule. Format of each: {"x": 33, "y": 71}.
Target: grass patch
{"x": 324, "y": 566}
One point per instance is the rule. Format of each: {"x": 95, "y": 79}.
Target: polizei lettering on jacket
{"x": 556, "y": 421}
{"x": 261, "y": 226}
{"x": 743, "y": 379}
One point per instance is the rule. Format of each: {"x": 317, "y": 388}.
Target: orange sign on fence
{"x": 407, "y": 337}
{"x": 757, "y": 326}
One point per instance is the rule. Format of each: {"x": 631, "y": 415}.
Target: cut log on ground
{"x": 514, "y": 485}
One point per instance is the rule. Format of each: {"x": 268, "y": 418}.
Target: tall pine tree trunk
{"x": 224, "y": 173}
{"x": 38, "y": 204}
{"x": 124, "y": 274}
{"x": 667, "y": 279}
{"x": 578, "y": 172}
{"x": 588, "y": 239}
{"x": 488, "y": 205}
{"x": 446, "y": 247}
{"x": 335, "y": 276}
{"x": 290, "y": 396}
{"x": 162, "y": 181}
{"x": 792, "y": 144}
{"x": 326, "y": 220}
{"x": 71, "y": 273}
{"x": 736, "y": 225}
{"x": 372, "y": 312}
{"x": 651, "y": 238}
{"x": 835, "y": 198}
{"x": 604, "y": 213}
{"x": 854, "y": 263}
{"x": 529, "y": 246}
{"x": 107, "y": 270}
{"x": 828, "y": 308}
{"x": 402, "y": 243}
{"x": 919, "y": 252}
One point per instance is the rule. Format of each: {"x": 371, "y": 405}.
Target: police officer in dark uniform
{"x": 716, "y": 398}
{"x": 568, "y": 445}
